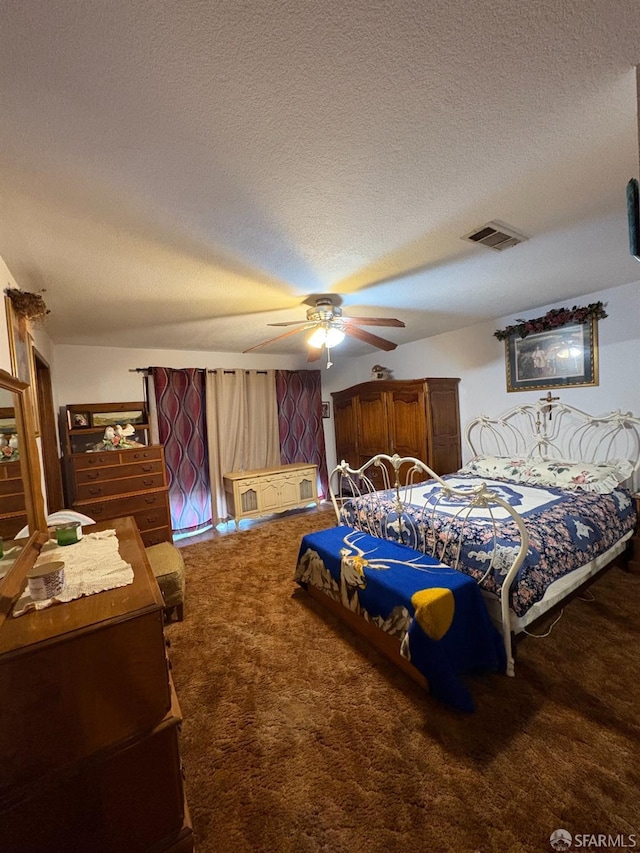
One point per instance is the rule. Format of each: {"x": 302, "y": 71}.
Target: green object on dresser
{"x": 168, "y": 569}
{"x": 68, "y": 534}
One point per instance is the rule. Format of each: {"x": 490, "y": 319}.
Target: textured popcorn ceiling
{"x": 179, "y": 173}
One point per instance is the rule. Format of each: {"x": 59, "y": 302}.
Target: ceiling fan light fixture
{"x": 325, "y": 327}
{"x": 325, "y": 336}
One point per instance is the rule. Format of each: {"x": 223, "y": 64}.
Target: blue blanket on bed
{"x": 437, "y": 613}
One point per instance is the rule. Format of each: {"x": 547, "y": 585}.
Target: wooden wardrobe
{"x": 410, "y": 417}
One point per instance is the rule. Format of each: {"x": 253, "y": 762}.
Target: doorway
{"x": 48, "y": 434}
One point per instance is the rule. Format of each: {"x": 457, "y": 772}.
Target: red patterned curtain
{"x": 180, "y": 400}
{"x": 300, "y": 420}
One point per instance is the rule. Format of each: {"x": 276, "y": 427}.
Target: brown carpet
{"x": 297, "y": 737}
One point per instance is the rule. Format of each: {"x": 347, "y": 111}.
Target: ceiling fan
{"x": 327, "y": 327}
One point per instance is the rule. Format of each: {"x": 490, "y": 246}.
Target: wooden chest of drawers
{"x": 90, "y": 731}
{"x": 92, "y": 808}
{"x": 13, "y": 513}
{"x": 116, "y": 483}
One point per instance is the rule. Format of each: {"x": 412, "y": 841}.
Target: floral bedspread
{"x": 438, "y": 614}
{"x": 567, "y": 529}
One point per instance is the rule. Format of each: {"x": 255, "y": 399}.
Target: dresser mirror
{"x": 21, "y": 501}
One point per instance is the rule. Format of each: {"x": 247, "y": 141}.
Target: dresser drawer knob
{"x": 150, "y": 500}
{"x": 96, "y": 491}
{"x": 148, "y": 482}
{"x": 147, "y": 468}
{"x": 93, "y": 475}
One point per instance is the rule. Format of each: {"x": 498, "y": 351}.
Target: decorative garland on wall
{"x": 553, "y": 319}
{"x": 31, "y": 306}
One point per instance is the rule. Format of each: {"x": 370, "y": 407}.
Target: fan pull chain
{"x": 329, "y": 362}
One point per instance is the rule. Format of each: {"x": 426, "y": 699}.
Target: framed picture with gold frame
{"x": 564, "y": 357}
{"x": 22, "y": 357}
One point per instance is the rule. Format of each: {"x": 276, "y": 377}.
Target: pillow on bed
{"x": 514, "y": 468}
{"x": 601, "y": 477}
{"x": 588, "y": 476}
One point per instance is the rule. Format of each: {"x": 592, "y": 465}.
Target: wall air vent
{"x": 496, "y": 236}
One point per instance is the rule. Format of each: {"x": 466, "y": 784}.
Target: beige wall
{"x": 104, "y": 374}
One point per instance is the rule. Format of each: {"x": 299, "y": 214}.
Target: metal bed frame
{"x": 546, "y": 429}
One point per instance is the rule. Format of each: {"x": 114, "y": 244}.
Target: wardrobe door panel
{"x": 407, "y": 422}
{"x": 374, "y": 432}
{"x": 444, "y": 425}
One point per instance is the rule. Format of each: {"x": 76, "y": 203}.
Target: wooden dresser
{"x": 251, "y": 494}
{"x": 410, "y": 417}
{"x": 90, "y": 721}
{"x": 113, "y": 483}
{"x": 13, "y": 512}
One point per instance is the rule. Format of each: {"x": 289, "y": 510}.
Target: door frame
{"x": 48, "y": 433}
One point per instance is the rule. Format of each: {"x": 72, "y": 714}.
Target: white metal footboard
{"x": 382, "y": 493}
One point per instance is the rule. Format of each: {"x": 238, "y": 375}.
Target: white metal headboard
{"x": 555, "y": 430}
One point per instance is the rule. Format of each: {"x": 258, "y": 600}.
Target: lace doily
{"x": 92, "y": 565}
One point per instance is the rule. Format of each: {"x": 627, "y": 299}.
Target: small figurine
{"x": 117, "y": 438}
{"x": 380, "y": 372}
{"x": 9, "y": 448}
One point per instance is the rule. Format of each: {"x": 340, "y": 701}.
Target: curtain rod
{"x": 224, "y": 370}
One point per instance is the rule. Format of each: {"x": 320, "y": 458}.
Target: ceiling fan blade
{"x": 368, "y": 338}
{"x": 280, "y": 337}
{"x": 289, "y": 323}
{"x": 374, "y": 321}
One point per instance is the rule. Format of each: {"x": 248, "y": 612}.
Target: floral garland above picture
{"x": 553, "y": 320}
{"x": 31, "y": 306}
